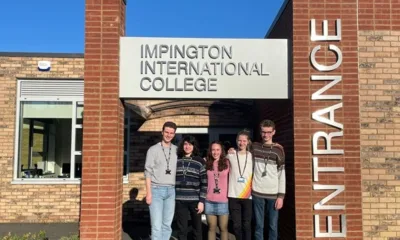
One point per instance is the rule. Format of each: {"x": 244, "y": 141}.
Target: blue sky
{"x": 58, "y": 26}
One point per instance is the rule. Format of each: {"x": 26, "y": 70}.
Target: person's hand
{"x": 231, "y": 151}
{"x": 148, "y": 198}
{"x": 278, "y": 203}
{"x": 200, "y": 208}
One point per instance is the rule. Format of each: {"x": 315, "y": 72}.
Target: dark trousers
{"x": 241, "y": 212}
{"x": 260, "y": 204}
{"x": 182, "y": 211}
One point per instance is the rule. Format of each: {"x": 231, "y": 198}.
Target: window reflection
{"x": 45, "y": 140}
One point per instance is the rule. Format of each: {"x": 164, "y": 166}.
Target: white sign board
{"x": 203, "y": 68}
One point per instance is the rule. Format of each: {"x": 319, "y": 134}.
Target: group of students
{"x": 242, "y": 183}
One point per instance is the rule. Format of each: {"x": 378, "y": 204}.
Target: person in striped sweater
{"x": 269, "y": 182}
{"x": 190, "y": 188}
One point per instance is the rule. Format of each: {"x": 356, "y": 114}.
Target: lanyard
{"x": 216, "y": 178}
{"x": 169, "y": 156}
{"x": 266, "y": 161}
{"x": 184, "y": 171}
{"x": 245, "y": 165}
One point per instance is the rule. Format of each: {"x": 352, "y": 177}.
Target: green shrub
{"x": 28, "y": 236}
{"x": 36, "y": 236}
{"x": 71, "y": 237}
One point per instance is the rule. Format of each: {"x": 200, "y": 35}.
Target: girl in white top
{"x": 239, "y": 191}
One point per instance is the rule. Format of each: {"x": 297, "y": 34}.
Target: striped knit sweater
{"x": 191, "y": 179}
{"x": 269, "y": 179}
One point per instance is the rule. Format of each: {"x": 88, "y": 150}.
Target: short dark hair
{"x": 267, "y": 123}
{"x": 192, "y": 140}
{"x": 169, "y": 125}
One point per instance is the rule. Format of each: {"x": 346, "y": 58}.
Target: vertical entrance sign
{"x": 203, "y": 68}
{"x": 327, "y": 136}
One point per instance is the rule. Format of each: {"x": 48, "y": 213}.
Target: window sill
{"x": 27, "y": 181}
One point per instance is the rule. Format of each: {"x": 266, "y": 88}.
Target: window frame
{"x": 74, "y": 100}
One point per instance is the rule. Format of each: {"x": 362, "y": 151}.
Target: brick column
{"x": 305, "y": 128}
{"x": 101, "y": 198}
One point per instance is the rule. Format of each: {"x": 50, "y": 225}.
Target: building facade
{"x": 73, "y": 150}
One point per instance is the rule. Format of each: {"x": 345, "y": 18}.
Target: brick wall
{"x": 31, "y": 203}
{"x": 103, "y": 123}
{"x": 281, "y": 112}
{"x": 380, "y": 132}
{"x": 348, "y": 115}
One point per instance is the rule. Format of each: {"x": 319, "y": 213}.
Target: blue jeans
{"x": 272, "y": 214}
{"x": 162, "y": 210}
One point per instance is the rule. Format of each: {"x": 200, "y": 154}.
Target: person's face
{"x": 187, "y": 148}
{"x": 242, "y": 142}
{"x": 216, "y": 151}
{"x": 168, "y": 134}
{"x": 267, "y": 133}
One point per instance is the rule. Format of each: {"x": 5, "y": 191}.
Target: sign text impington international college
{"x": 184, "y": 63}
{"x": 337, "y": 131}
{"x": 200, "y": 68}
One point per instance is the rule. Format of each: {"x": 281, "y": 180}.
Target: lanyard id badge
{"x": 241, "y": 179}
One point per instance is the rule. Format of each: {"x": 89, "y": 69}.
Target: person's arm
{"x": 281, "y": 181}
{"x": 203, "y": 188}
{"x": 148, "y": 172}
{"x": 282, "y": 177}
{"x": 148, "y": 191}
{"x": 231, "y": 150}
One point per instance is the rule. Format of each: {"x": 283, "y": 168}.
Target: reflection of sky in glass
{"x": 47, "y": 109}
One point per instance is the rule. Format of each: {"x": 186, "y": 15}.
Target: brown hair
{"x": 267, "y": 123}
{"x": 169, "y": 125}
{"x": 246, "y": 133}
{"x": 222, "y": 163}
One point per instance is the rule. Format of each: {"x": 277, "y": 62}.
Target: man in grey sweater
{"x": 160, "y": 172}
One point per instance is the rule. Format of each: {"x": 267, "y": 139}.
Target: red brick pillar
{"x": 101, "y": 199}
{"x": 342, "y": 99}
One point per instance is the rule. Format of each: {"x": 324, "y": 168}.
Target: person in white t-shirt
{"x": 239, "y": 191}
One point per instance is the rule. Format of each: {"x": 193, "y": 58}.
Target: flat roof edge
{"x": 277, "y": 17}
{"x": 37, "y": 54}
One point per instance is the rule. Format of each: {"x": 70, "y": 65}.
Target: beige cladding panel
{"x": 379, "y": 64}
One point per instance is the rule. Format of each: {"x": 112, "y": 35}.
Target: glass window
{"x": 78, "y": 139}
{"x": 79, "y": 113}
{"x": 47, "y": 110}
{"x": 50, "y": 140}
{"x": 78, "y": 166}
{"x": 45, "y": 139}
